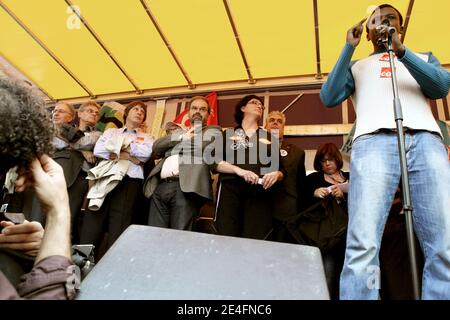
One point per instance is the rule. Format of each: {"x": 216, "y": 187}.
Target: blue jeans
{"x": 374, "y": 178}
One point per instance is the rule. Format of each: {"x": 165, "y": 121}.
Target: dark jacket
{"x": 290, "y": 196}
{"x": 70, "y": 160}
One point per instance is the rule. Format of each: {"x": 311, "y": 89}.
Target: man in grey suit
{"x": 181, "y": 181}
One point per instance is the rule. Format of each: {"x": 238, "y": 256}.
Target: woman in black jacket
{"x": 249, "y": 172}
{"x": 329, "y": 180}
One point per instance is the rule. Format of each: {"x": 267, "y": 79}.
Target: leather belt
{"x": 170, "y": 179}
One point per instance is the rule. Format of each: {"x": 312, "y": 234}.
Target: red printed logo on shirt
{"x": 385, "y": 57}
{"x": 139, "y": 139}
{"x": 386, "y": 73}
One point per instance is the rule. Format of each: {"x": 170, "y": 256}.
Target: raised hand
{"x": 354, "y": 33}
{"x": 47, "y": 178}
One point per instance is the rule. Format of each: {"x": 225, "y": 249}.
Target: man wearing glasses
{"x": 88, "y": 115}
{"x": 181, "y": 182}
{"x": 62, "y": 116}
{"x": 290, "y": 198}
{"x": 74, "y": 146}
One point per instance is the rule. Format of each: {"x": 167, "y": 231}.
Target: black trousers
{"x": 281, "y": 233}
{"x": 172, "y": 208}
{"x": 333, "y": 262}
{"x": 395, "y": 267}
{"x": 77, "y": 192}
{"x": 244, "y": 210}
{"x": 114, "y": 216}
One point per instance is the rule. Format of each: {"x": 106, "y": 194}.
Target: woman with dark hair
{"x": 248, "y": 171}
{"x": 252, "y": 100}
{"x": 329, "y": 180}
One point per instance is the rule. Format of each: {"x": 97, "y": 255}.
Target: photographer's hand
{"x": 25, "y": 237}
{"x": 50, "y": 187}
{"x": 47, "y": 179}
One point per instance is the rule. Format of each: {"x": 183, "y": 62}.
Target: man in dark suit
{"x": 74, "y": 147}
{"x": 181, "y": 181}
{"x": 290, "y": 195}
{"x": 63, "y": 115}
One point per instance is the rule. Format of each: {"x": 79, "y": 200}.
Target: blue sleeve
{"x": 432, "y": 78}
{"x": 99, "y": 149}
{"x": 142, "y": 150}
{"x": 340, "y": 84}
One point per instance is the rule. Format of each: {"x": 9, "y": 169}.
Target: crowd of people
{"x": 97, "y": 189}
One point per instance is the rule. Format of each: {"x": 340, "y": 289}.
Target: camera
{"x": 16, "y": 218}
{"x": 83, "y": 257}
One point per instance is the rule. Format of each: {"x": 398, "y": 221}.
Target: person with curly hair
{"x": 25, "y": 142}
{"x": 20, "y": 143}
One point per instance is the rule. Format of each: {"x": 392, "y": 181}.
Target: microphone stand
{"x": 406, "y": 195}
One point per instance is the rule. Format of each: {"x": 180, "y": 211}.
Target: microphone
{"x": 390, "y": 30}
{"x": 386, "y": 34}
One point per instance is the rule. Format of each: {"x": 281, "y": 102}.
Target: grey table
{"x": 156, "y": 263}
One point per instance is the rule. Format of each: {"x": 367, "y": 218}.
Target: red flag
{"x": 213, "y": 119}
{"x": 183, "y": 117}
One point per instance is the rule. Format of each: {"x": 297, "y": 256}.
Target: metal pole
{"x": 406, "y": 195}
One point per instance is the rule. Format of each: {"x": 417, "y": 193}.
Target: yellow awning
{"x": 78, "y": 49}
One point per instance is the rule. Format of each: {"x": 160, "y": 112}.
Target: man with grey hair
{"x": 74, "y": 152}
{"x": 290, "y": 196}
{"x": 63, "y": 115}
{"x": 88, "y": 115}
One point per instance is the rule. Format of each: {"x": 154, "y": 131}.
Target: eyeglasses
{"x": 92, "y": 111}
{"x": 256, "y": 103}
{"x": 59, "y": 111}
{"x": 200, "y": 109}
{"x": 325, "y": 160}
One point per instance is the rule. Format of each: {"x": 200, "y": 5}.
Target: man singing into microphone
{"x": 375, "y": 165}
